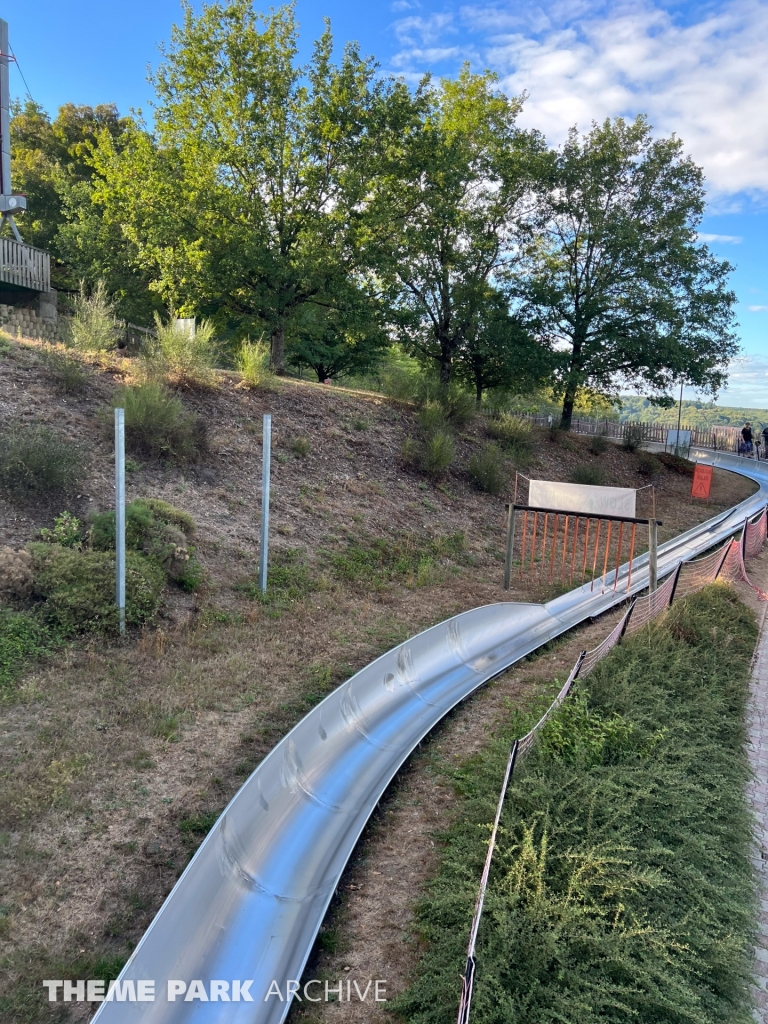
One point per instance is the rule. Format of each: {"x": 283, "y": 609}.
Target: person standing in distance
{"x": 747, "y": 437}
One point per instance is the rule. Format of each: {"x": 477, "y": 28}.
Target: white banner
{"x": 601, "y": 501}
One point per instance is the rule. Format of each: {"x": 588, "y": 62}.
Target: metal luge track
{"x": 251, "y": 901}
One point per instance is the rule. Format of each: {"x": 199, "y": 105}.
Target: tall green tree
{"x": 240, "y": 201}
{"x": 499, "y": 351}
{"x": 615, "y": 276}
{"x": 448, "y": 208}
{"x": 52, "y": 162}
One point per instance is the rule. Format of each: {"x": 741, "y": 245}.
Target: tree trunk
{"x": 445, "y": 368}
{"x": 568, "y": 402}
{"x": 277, "y": 351}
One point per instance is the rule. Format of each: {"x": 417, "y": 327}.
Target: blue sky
{"x": 697, "y": 69}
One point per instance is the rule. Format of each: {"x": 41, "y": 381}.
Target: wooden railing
{"x": 24, "y": 266}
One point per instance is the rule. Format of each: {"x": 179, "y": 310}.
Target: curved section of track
{"x": 251, "y": 901}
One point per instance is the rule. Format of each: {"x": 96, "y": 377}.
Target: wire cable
{"x": 16, "y": 59}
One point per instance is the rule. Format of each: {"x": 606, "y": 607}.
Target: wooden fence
{"x": 718, "y": 437}
{"x": 24, "y": 266}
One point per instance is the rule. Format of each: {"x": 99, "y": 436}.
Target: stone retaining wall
{"x": 26, "y": 322}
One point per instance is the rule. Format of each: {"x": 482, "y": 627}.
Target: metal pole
{"x": 679, "y": 417}
{"x": 120, "y": 516}
{"x": 510, "y": 545}
{"x": 266, "y": 449}
{"x": 652, "y": 556}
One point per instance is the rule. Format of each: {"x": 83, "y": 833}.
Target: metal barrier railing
{"x": 726, "y": 563}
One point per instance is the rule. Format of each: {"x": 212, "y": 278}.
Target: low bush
{"x": 94, "y": 325}
{"x": 252, "y": 362}
{"x": 184, "y": 357}
{"x": 676, "y": 463}
{"x": 598, "y": 444}
{"x": 6, "y": 345}
{"x": 621, "y": 889}
{"x": 632, "y": 437}
{"x": 432, "y": 416}
{"x": 16, "y": 575}
{"x": 460, "y": 407}
{"x": 488, "y": 470}
{"x": 648, "y": 465}
{"x": 592, "y": 475}
{"x": 300, "y": 446}
{"x": 515, "y": 433}
{"x": 436, "y": 453}
{"x": 67, "y": 531}
{"x": 36, "y": 460}
{"x": 23, "y": 637}
{"x": 76, "y": 589}
{"x": 156, "y": 529}
{"x": 67, "y": 372}
{"x": 158, "y": 426}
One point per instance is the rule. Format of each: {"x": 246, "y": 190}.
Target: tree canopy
{"x": 615, "y": 277}
{"x": 337, "y": 211}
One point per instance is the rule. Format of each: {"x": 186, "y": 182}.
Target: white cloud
{"x": 582, "y": 60}
{"x": 706, "y": 81}
{"x": 429, "y": 30}
{"x": 402, "y": 5}
{"x": 703, "y": 236}
{"x": 758, "y": 309}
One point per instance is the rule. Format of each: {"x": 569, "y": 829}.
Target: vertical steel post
{"x": 266, "y": 451}
{"x": 652, "y": 555}
{"x": 120, "y": 516}
{"x": 510, "y": 545}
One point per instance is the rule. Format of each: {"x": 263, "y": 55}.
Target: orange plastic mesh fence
{"x": 697, "y": 574}
{"x": 726, "y": 563}
{"x": 756, "y": 536}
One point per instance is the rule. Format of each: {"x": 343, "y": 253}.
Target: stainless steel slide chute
{"x": 251, "y": 901}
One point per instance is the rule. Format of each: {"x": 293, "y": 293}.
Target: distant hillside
{"x": 695, "y": 414}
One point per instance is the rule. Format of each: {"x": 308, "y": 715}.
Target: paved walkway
{"x": 757, "y": 791}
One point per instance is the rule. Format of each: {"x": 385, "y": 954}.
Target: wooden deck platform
{"x": 23, "y": 266}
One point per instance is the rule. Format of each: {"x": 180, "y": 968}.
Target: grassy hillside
{"x": 118, "y": 755}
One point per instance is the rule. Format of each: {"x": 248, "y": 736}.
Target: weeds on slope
{"x": 622, "y": 888}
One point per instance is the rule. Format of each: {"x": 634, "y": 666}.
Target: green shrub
{"x": 77, "y": 588}
{"x": 632, "y": 437}
{"x": 432, "y": 416}
{"x": 488, "y": 470}
{"x": 153, "y": 527}
{"x": 598, "y": 444}
{"x": 6, "y": 345}
{"x": 621, "y": 888}
{"x": 184, "y": 358}
{"x": 67, "y": 531}
{"x": 592, "y": 475}
{"x": 191, "y": 577}
{"x": 513, "y": 430}
{"x": 157, "y": 424}
{"x": 436, "y": 452}
{"x": 252, "y": 362}
{"x": 300, "y": 446}
{"x": 648, "y": 465}
{"x": 23, "y": 637}
{"x": 94, "y": 326}
{"x": 36, "y": 459}
{"x": 68, "y": 373}
{"x": 460, "y": 407}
